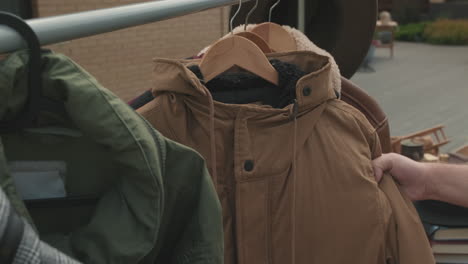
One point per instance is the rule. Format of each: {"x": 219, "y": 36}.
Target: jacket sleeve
{"x": 192, "y": 228}
{"x": 407, "y": 241}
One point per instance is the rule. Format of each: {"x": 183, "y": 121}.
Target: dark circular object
{"x": 342, "y": 27}
{"x": 248, "y": 165}
{"x": 306, "y": 91}
{"x": 412, "y": 149}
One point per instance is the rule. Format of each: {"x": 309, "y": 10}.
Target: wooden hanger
{"x": 259, "y": 41}
{"x": 238, "y": 51}
{"x": 275, "y": 35}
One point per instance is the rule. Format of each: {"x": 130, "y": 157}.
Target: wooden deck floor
{"x": 422, "y": 86}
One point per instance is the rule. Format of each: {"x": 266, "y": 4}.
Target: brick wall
{"x": 122, "y": 60}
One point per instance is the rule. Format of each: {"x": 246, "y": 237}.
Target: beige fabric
{"x": 334, "y": 213}
{"x": 303, "y": 43}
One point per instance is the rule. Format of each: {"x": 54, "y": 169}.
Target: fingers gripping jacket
{"x": 19, "y": 244}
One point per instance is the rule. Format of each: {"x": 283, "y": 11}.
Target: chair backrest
{"x": 357, "y": 97}
{"x": 387, "y": 28}
{"x": 434, "y": 137}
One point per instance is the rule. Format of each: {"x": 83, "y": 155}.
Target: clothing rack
{"x": 63, "y": 28}
{"x": 301, "y": 15}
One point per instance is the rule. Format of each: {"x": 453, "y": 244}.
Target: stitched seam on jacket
{"x": 381, "y": 197}
{"x": 381, "y": 124}
{"x": 375, "y": 138}
{"x": 238, "y": 220}
{"x": 270, "y": 225}
{"x": 363, "y": 107}
{"x": 382, "y": 220}
{"x": 169, "y": 127}
{"x": 357, "y": 115}
{"x": 157, "y": 105}
{"x": 159, "y": 142}
{"x": 142, "y": 151}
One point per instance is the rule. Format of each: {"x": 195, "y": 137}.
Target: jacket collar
{"x": 316, "y": 87}
{"x": 302, "y": 43}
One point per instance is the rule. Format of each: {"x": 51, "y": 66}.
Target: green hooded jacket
{"x": 132, "y": 196}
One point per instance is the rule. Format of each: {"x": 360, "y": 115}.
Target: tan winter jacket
{"x": 296, "y": 184}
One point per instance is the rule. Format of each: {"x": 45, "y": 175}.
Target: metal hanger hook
{"x": 249, "y": 14}
{"x": 231, "y": 22}
{"x": 271, "y": 9}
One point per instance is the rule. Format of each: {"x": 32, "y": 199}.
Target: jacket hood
{"x": 314, "y": 87}
{"x": 303, "y": 43}
{"x": 104, "y": 119}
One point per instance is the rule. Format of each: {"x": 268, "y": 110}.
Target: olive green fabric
{"x": 153, "y": 198}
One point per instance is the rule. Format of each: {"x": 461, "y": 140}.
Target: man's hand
{"x": 426, "y": 181}
{"x": 412, "y": 175}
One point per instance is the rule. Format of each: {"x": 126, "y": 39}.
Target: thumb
{"x": 382, "y": 164}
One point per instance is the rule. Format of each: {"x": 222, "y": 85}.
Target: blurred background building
{"x": 122, "y": 60}
{"x": 407, "y": 11}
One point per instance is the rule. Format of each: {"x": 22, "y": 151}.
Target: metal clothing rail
{"x": 301, "y": 14}
{"x": 62, "y": 28}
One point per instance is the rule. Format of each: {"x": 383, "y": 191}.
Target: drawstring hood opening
{"x": 244, "y": 87}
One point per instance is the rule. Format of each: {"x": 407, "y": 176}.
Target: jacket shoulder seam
{"x": 353, "y": 112}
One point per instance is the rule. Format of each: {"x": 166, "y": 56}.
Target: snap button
{"x": 306, "y": 91}
{"x": 172, "y": 97}
{"x": 248, "y": 165}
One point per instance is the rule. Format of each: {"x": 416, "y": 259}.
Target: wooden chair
{"x": 433, "y": 138}
{"x": 387, "y": 28}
